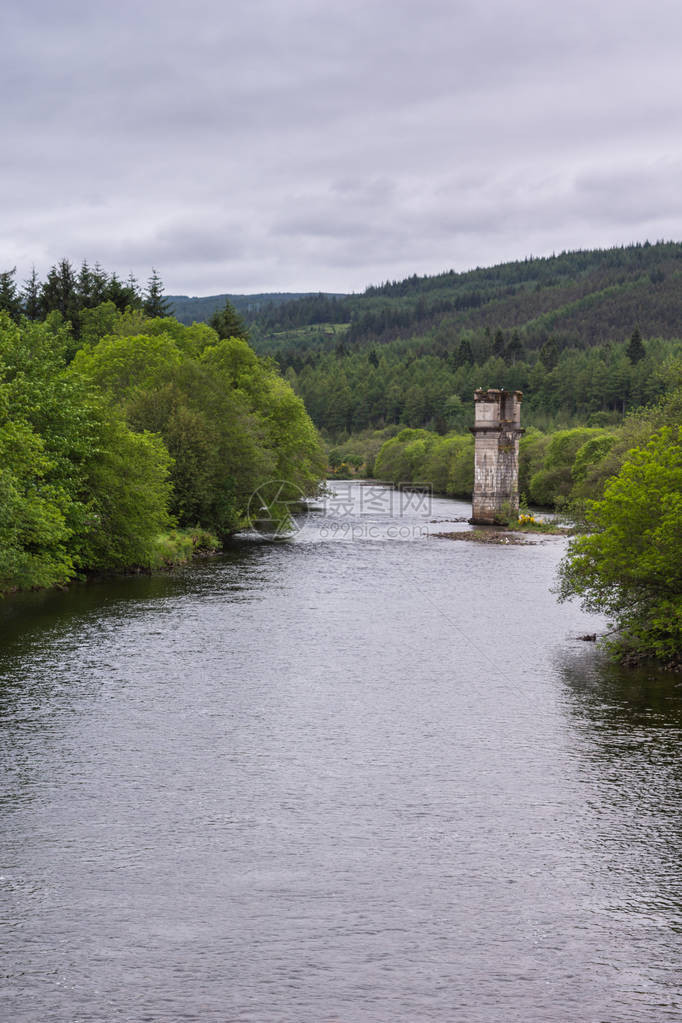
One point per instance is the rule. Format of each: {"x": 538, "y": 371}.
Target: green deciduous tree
{"x": 228, "y": 420}
{"x": 630, "y": 567}
{"x": 555, "y": 478}
{"x": 127, "y": 492}
{"x": 78, "y": 490}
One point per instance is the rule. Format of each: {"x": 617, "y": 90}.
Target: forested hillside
{"x": 411, "y": 353}
{"x": 193, "y": 309}
{"x": 579, "y": 297}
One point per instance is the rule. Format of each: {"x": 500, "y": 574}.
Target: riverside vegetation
{"x": 127, "y": 440}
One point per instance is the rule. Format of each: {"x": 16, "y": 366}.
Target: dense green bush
{"x": 630, "y": 565}
{"x": 417, "y": 456}
{"x": 80, "y": 489}
{"x": 228, "y": 420}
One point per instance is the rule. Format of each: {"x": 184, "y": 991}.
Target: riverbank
{"x": 170, "y": 550}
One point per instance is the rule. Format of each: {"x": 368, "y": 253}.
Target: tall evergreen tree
{"x": 635, "y": 350}
{"x": 499, "y": 344}
{"x": 549, "y": 354}
{"x": 85, "y": 286}
{"x": 10, "y": 301}
{"x": 228, "y": 323}
{"x": 133, "y": 286}
{"x": 99, "y": 284}
{"x": 463, "y": 355}
{"x": 514, "y": 350}
{"x": 59, "y": 292}
{"x": 31, "y": 296}
{"x": 154, "y": 302}
{"x": 125, "y": 295}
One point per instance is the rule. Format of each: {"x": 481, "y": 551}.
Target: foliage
{"x": 555, "y": 479}
{"x": 560, "y": 329}
{"x": 563, "y": 468}
{"x": 71, "y": 292}
{"x": 129, "y": 491}
{"x": 80, "y": 491}
{"x": 422, "y": 387}
{"x": 10, "y": 301}
{"x": 635, "y": 350}
{"x": 360, "y": 451}
{"x": 418, "y": 456}
{"x": 228, "y": 323}
{"x": 149, "y": 425}
{"x": 154, "y": 302}
{"x": 575, "y": 297}
{"x": 188, "y": 309}
{"x": 630, "y": 566}
{"x": 227, "y": 419}
{"x": 182, "y": 545}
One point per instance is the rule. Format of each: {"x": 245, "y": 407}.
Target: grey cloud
{"x": 176, "y": 244}
{"x": 307, "y": 145}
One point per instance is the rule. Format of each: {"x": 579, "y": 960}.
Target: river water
{"x": 363, "y": 774}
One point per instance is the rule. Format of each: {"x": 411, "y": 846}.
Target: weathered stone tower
{"x": 497, "y": 428}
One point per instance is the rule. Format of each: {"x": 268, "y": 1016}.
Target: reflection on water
{"x": 629, "y": 726}
{"x": 363, "y": 774}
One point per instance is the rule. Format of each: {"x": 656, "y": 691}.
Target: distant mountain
{"x": 580, "y": 298}
{"x": 188, "y": 309}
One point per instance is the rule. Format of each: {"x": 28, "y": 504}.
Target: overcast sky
{"x": 280, "y": 145}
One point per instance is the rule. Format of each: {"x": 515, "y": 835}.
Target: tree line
{"x": 69, "y": 291}
{"x": 404, "y": 384}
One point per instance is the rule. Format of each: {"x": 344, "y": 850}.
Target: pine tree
{"x": 85, "y": 286}
{"x": 514, "y": 349}
{"x": 98, "y": 286}
{"x": 499, "y": 344}
{"x": 133, "y": 287}
{"x": 10, "y": 301}
{"x": 635, "y": 350}
{"x": 228, "y": 323}
{"x": 463, "y": 356}
{"x": 549, "y": 354}
{"x": 31, "y": 296}
{"x": 154, "y": 302}
{"x": 59, "y": 292}
{"x": 125, "y": 296}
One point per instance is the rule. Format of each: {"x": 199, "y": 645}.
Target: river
{"x": 361, "y": 774}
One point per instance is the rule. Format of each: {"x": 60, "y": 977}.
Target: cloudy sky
{"x": 278, "y": 145}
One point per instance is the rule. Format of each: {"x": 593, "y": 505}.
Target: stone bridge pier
{"x": 496, "y": 429}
